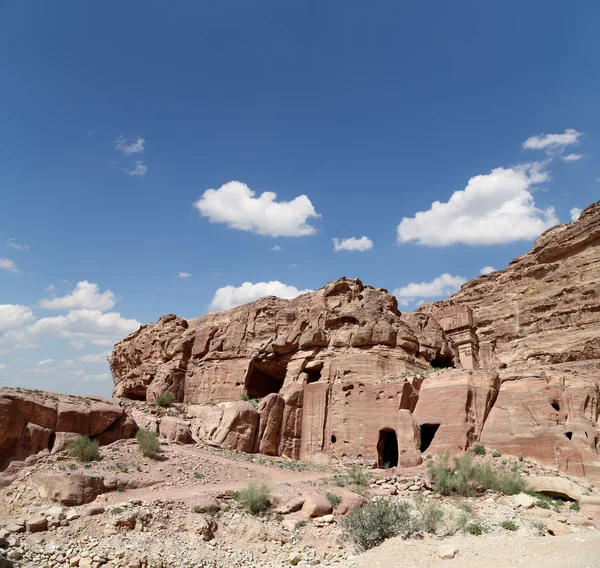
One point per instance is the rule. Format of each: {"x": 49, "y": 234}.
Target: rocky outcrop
{"x": 543, "y": 308}
{"x": 33, "y": 421}
{"x": 345, "y": 329}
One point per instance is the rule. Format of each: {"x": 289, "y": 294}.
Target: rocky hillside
{"x": 545, "y": 307}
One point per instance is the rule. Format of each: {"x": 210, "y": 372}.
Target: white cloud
{"x": 442, "y": 286}
{"x": 130, "y": 146}
{"x": 235, "y": 203}
{"x": 98, "y": 377}
{"x": 276, "y": 248}
{"x": 50, "y": 287}
{"x": 85, "y": 295}
{"x": 184, "y": 275}
{"x": 45, "y": 362}
{"x": 353, "y": 244}
{"x": 229, "y": 296}
{"x": 8, "y": 265}
{"x": 494, "y": 208}
{"x": 140, "y": 169}
{"x": 93, "y": 358}
{"x": 487, "y": 270}
{"x": 572, "y": 157}
{"x": 13, "y": 316}
{"x": 2, "y": 366}
{"x": 12, "y": 243}
{"x": 575, "y": 212}
{"x": 85, "y": 325}
{"x": 553, "y": 144}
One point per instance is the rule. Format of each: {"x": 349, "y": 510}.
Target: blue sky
{"x": 117, "y": 117}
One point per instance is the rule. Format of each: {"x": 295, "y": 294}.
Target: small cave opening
{"x": 387, "y": 448}
{"x": 313, "y": 374}
{"x": 428, "y": 432}
{"x": 569, "y": 435}
{"x": 51, "y": 441}
{"x": 442, "y": 362}
{"x": 333, "y": 439}
{"x": 264, "y": 379}
{"x": 555, "y": 405}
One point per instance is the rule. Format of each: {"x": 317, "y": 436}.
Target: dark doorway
{"x": 313, "y": 375}
{"x": 264, "y": 379}
{"x": 443, "y": 362}
{"x": 387, "y": 448}
{"x": 428, "y": 432}
{"x": 569, "y": 435}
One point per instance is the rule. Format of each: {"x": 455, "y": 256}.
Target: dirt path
{"x": 578, "y": 550}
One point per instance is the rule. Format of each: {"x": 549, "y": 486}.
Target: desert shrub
{"x": 574, "y": 506}
{"x": 356, "y": 476}
{"x": 117, "y": 510}
{"x": 334, "y": 499}
{"x": 542, "y": 504}
{"x": 198, "y": 475}
{"x": 84, "y": 449}
{"x": 148, "y": 443}
{"x": 244, "y": 396}
{"x": 340, "y": 480}
{"x": 374, "y": 522}
{"x": 509, "y": 525}
{"x": 165, "y": 400}
{"x": 466, "y": 478}
{"x": 538, "y": 525}
{"x": 475, "y": 529}
{"x": 479, "y": 450}
{"x": 496, "y": 454}
{"x": 279, "y": 517}
{"x": 429, "y": 515}
{"x": 299, "y": 525}
{"x": 254, "y": 499}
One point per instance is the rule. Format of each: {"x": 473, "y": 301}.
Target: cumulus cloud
{"x": 14, "y": 316}
{"x": 575, "y": 212}
{"x": 230, "y": 296}
{"x": 93, "y": 358}
{"x": 140, "y": 169}
{"x": 553, "y": 144}
{"x": 50, "y": 287}
{"x": 86, "y": 295}
{"x": 442, "y": 286}
{"x": 97, "y": 377}
{"x": 85, "y": 325}
{"x": 276, "y": 248}
{"x": 353, "y": 244}
{"x": 494, "y": 208}
{"x": 8, "y": 265}
{"x": 487, "y": 270}
{"x": 572, "y": 157}
{"x": 12, "y": 243}
{"x": 130, "y": 146}
{"x": 235, "y": 203}
{"x": 184, "y": 275}
{"x": 45, "y": 362}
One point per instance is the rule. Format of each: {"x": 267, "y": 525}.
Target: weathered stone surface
{"x": 69, "y": 488}
{"x": 269, "y": 425}
{"x": 175, "y": 430}
{"x": 34, "y": 421}
{"x": 316, "y": 505}
{"x": 345, "y": 328}
{"x": 238, "y": 427}
{"x": 555, "y": 487}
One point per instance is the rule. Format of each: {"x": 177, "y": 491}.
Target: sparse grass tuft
{"x": 496, "y": 454}
{"x": 165, "y": 400}
{"x": 198, "y": 475}
{"x": 574, "y": 506}
{"x": 475, "y": 529}
{"x": 464, "y": 477}
{"x": 479, "y": 450}
{"x": 84, "y": 449}
{"x": 509, "y": 525}
{"x": 254, "y": 499}
{"x": 244, "y": 396}
{"x": 148, "y": 443}
{"x": 357, "y": 476}
{"x": 374, "y": 522}
{"x": 334, "y": 499}
{"x": 299, "y": 525}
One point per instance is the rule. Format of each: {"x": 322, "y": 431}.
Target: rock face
{"x": 511, "y": 361}
{"x": 32, "y": 421}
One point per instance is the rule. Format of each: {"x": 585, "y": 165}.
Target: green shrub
{"x": 374, "y": 522}
{"x": 198, "y": 475}
{"x": 244, "y": 396}
{"x": 84, "y": 449}
{"x": 334, "y": 499}
{"x": 340, "y": 480}
{"x": 254, "y": 498}
{"x": 356, "y": 476}
{"x": 148, "y": 443}
{"x": 430, "y": 515}
{"x": 542, "y": 504}
{"x": 117, "y": 510}
{"x": 299, "y": 525}
{"x": 475, "y": 529}
{"x": 509, "y": 525}
{"x": 538, "y": 525}
{"x": 466, "y": 478}
{"x": 165, "y": 400}
{"x": 479, "y": 450}
{"x": 496, "y": 454}
{"x": 279, "y": 518}
{"x": 574, "y": 506}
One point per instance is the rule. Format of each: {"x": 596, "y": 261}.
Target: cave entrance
{"x": 443, "y": 362}
{"x": 313, "y": 374}
{"x": 428, "y": 432}
{"x": 264, "y": 379}
{"x": 387, "y": 448}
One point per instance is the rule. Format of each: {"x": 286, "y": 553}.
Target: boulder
{"x": 175, "y": 430}
{"x": 38, "y": 524}
{"x": 238, "y": 427}
{"x": 555, "y": 487}
{"x": 270, "y": 410}
{"x": 447, "y": 551}
{"x": 557, "y": 529}
{"x": 69, "y": 488}
{"x": 206, "y": 504}
{"x": 316, "y": 505}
